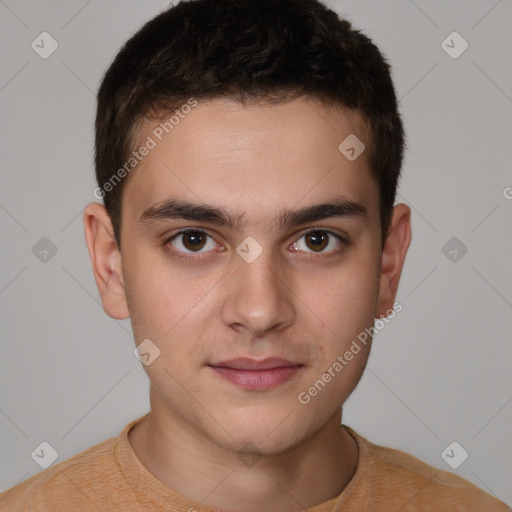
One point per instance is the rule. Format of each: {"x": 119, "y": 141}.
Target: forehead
{"x": 256, "y": 158}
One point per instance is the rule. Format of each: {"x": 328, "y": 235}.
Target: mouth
{"x": 257, "y": 375}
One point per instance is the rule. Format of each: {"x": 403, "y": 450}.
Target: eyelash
{"x": 196, "y": 256}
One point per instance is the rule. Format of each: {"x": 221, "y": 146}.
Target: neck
{"x": 313, "y": 471}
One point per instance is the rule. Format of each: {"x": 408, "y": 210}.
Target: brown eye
{"x": 191, "y": 241}
{"x": 317, "y": 240}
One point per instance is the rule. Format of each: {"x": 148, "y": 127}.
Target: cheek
{"x": 346, "y": 307}
{"x": 344, "y": 297}
{"x": 147, "y": 298}
{"x": 163, "y": 301}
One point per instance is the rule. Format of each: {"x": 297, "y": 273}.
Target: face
{"x": 252, "y": 279}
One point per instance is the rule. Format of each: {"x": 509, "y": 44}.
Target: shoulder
{"x": 393, "y": 476}
{"x": 66, "y": 483}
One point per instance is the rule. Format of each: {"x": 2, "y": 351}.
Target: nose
{"x": 258, "y": 296}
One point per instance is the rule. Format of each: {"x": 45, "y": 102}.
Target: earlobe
{"x": 106, "y": 260}
{"x": 393, "y": 257}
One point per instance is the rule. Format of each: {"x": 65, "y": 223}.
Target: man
{"x": 248, "y": 154}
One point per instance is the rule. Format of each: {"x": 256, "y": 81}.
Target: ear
{"x": 393, "y": 257}
{"x": 106, "y": 260}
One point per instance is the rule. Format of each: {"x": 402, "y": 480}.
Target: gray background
{"x": 439, "y": 372}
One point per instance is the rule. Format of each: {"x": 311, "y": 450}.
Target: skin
{"x": 306, "y": 305}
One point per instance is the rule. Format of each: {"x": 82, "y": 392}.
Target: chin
{"x": 264, "y": 434}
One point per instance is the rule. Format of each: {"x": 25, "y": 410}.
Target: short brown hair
{"x": 263, "y": 50}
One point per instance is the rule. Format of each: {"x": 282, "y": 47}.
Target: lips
{"x": 245, "y": 363}
{"x": 257, "y": 375}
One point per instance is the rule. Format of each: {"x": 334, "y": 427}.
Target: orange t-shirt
{"x": 110, "y": 477}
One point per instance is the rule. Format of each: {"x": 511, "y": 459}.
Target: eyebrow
{"x": 181, "y": 209}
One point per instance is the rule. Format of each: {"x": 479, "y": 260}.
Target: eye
{"x": 191, "y": 241}
{"x": 318, "y": 240}
{"x": 188, "y": 242}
